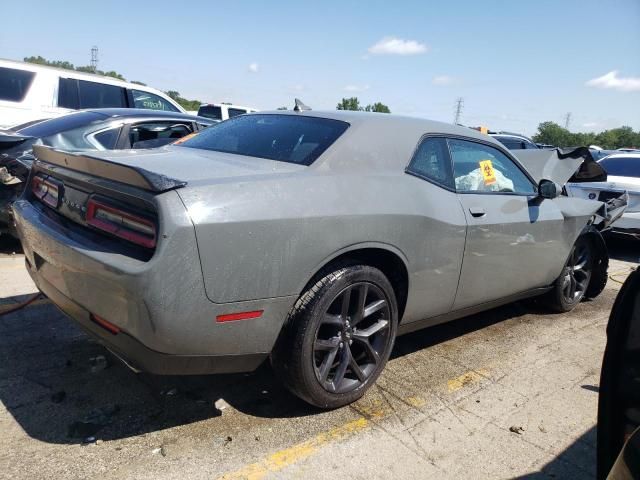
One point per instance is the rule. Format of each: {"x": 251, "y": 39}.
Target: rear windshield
{"x": 622, "y": 166}
{"x": 286, "y": 138}
{"x": 62, "y": 124}
{"x": 14, "y": 84}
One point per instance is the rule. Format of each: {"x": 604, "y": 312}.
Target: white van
{"x": 222, "y": 111}
{"x": 31, "y": 92}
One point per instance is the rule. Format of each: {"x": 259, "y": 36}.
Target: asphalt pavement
{"x": 509, "y": 393}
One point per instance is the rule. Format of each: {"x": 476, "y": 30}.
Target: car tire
{"x": 573, "y": 283}
{"x": 338, "y": 336}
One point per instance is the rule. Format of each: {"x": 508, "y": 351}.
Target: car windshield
{"x": 622, "y": 166}
{"x": 61, "y": 124}
{"x": 286, "y": 138}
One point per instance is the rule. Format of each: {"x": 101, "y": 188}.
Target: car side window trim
{"x": 417, "y": 174}
{"x": 502, "y": 150}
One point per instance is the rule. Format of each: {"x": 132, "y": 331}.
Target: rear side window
{"x": 157, "y": 134}
{"x": 151, "y": 101}
{"x": 234, "y": 112}
{"x": 286, "y": 138}
{"x": 14, "y": 84}
{"x": 431, "y": 162}
{"x": 107, "y": 138}
{"x": 622, "y": 166}
{"x": 210, "y": 111}
{"x": 77, "y": 94}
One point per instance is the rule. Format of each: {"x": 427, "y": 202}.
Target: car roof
{"x": 355, "y": 118}
{"x": 143, "y": 112}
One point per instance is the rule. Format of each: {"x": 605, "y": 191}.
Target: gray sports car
{"x": 312, "y": 238}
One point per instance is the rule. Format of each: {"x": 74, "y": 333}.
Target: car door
{"x": 439, "y": 237}
{"x": 515, "y": 240}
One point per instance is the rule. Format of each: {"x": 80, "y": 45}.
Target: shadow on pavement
{"x": 623, "y": 247}
{"x": 576, "y": 462}
{"x": 9, "y": 245}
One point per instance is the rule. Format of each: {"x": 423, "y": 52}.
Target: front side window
{"x": 100, "y": 95}
{"x": 286, "y": 138}
{"x": 14, "y": 84}
{"x": 151, "y": 101}
{"x": 431, "y": 162}
{"x": 481, "y": 168}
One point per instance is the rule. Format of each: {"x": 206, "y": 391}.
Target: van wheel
{"x": 572, "y": 284}
{"x": 338, "y": 336}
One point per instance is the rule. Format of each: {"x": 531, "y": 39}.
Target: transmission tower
{"x": 567, "y": 120}
{"x": 459, "y": 105}
{"x": 94, "y": 58}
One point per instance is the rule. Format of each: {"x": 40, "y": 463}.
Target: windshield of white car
{"x": 622, "y": 166}
{"x": 285, "y": 138}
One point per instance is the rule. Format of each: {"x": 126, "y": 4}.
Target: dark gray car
{"x": 313, "y": 238}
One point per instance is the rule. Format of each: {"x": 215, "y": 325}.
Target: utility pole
{"x": 94, "y": 58}
{"x": 567, "y": 120}
{"x": 459, "y": 105}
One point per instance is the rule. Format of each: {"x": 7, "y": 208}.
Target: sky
{"x": 514, "y": 63}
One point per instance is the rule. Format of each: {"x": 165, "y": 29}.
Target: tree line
{"x": 551, "y": 133}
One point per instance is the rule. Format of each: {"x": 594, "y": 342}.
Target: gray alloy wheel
{"x": 338, "y": 336}
{"x": 573, "y": 283}
{"x": 351, "y": 338}
{"x": 577, "y": 273}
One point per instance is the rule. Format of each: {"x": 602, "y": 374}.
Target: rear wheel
{"x": 338, "y": 336}
{"x": 570, "y": 288}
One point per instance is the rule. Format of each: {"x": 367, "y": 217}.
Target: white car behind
{"x": 623, "y": 174}
{"x": 31, "y": 92}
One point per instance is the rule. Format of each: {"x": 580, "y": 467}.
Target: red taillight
{"x": 46, "y": 190}
{"x": 232, "y": 317}
{"x": 110, "y": 327}
{"x": 126, "y": 225}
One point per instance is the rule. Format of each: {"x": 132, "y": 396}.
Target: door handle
{"x": 477, "y": 212}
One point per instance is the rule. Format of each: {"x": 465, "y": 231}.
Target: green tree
{"x": 283, "y": 108}
{"x": 349, "y": 104}
{"x": 377, "y": 107}
{"x": 552, "y": 134}
{"x": 184, "y": 103}
{"x": 139, "y": 83}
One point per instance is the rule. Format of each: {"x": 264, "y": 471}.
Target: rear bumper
{"x": 167, "y": 324}
{"x": 140, "y": 357}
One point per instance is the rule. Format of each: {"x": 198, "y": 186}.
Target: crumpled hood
{"x": 562, "y": 165}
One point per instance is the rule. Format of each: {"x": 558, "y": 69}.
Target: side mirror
{"x": 549, "y": 189}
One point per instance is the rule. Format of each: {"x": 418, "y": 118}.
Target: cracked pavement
{"x": 509, "y": 393}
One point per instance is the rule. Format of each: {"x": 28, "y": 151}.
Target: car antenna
{"x": 300, "y": 106}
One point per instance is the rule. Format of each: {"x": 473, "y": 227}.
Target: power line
{"x": 459, "y": 105}
{"x": 94, "y": 58}
{"x": 567, "y": 120}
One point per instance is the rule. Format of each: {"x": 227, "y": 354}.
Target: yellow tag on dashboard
{"x": 488, "y": 173}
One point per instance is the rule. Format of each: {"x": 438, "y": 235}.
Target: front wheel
{"x": 572, "y": 284}
{"x": 338, "y": 336}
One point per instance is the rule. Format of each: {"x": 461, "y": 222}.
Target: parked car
{"x": 619, "y": 402}
{"x": 222, "y": 111}
{"x": 99, "y": 129}
{"x": 514, "y": 141}
{"x": 312, "y": 238}
{"x": 36, "y": 92}
{"x": 623, "y": 174}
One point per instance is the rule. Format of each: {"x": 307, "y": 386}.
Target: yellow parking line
{"x": 466, "y": 379}
{"x": 281, "y": 459}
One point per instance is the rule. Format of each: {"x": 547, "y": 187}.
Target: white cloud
{"x": 397, "y": 46}
{"x": 590, "y": 124}
{"x": 612, "y": 80}
{"x": 253, "y": 67}
{"x": 356, "y": 88}
{"x": 444, "y": 80}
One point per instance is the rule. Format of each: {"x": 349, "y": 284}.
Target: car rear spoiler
{"x": 100, "y": 167}
{"x": 562, "y": 165}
